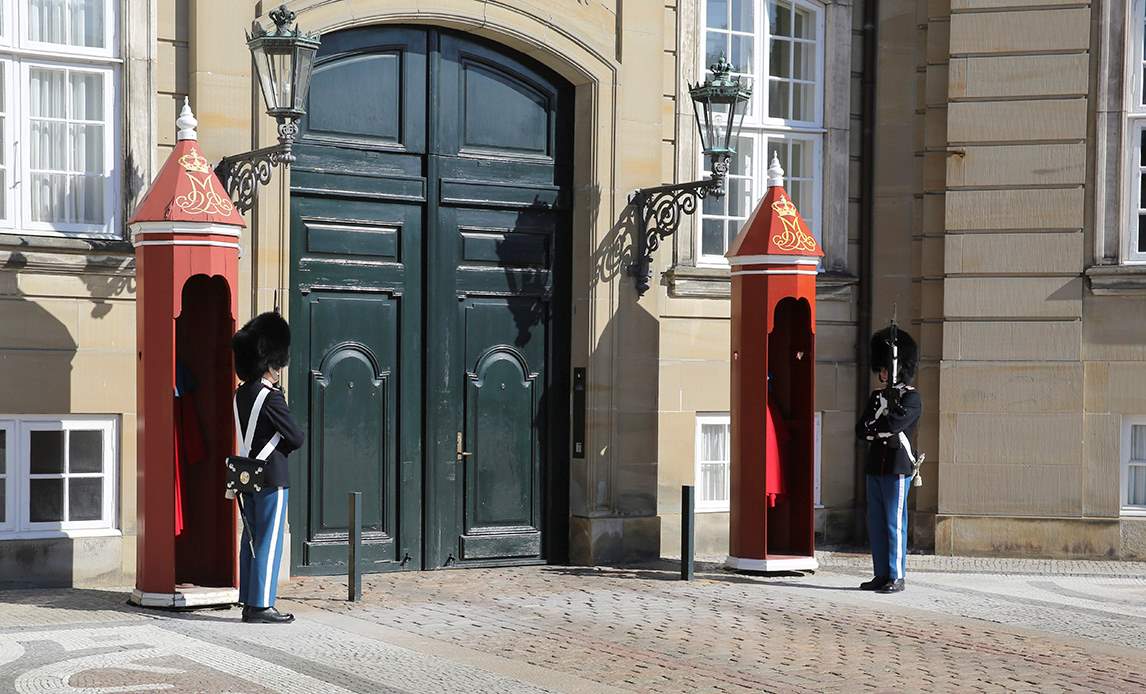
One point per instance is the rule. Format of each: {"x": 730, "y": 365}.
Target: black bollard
{"x": 687, "y": 540}
{"x": 354, "y": 549}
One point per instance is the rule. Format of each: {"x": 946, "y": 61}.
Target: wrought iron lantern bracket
{"x": 283, "y": 60}
{"x": 661, "y": 209}
{"x": 243, "y": 174}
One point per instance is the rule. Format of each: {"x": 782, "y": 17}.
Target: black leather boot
{"x": 895, "y": 586}
{"x": 875, "y": 583}
{"x": 266, "y": 615}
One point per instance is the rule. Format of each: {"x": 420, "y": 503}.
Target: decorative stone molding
{"x": 1117, "y": 280}
{"x": 716, "y": 283}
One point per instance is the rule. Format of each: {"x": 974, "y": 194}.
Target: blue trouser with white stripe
{"x": 264, "y": 518}
{"x": 887, "y": 523}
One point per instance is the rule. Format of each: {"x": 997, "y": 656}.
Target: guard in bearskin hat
{"x": 266, "y": 432}
{"x": 888, "y": 426}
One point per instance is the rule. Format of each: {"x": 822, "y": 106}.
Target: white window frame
{"x": 1135, "y": 124}
{"x": 110, "y": 142}
{"x": 17, "y": 14}
{"x": 17, "y": 523}
{"x": 1128, "y": 422}
{"x": 8, "y": 426}
{"x": 706, "y": 506}
{"x": 18, "y": 55}
{"x": 762, "y": 127}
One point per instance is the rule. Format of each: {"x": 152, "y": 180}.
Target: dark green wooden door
{"x": 430, "y": 235}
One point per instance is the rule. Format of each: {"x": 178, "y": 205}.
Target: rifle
{"x": 889, "y": 392}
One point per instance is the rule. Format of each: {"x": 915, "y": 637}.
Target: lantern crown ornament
{"x": 776, "y": 227}
{"x": 283, "y": 58}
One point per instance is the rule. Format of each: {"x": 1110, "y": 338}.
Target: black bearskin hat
{"x": 881, "y": 353}
{"x": 263, "y": 343}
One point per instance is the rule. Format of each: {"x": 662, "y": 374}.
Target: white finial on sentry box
{"x": 775, "y": 172}
{"x": 186, "y": 123}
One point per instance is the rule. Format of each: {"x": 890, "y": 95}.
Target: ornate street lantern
{"x": 283, "y": 61}
{"x": 719, "y": 104}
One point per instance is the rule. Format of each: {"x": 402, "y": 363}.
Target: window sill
{"x": 71, "y": 255}
{"x": 59, "y": 534}
{"x": 716, "y": 283}
{"x": 1117, "y": 280}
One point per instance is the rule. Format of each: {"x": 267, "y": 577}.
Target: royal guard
{"x": 888, "y": 426}
{"x": 266, "y": 433}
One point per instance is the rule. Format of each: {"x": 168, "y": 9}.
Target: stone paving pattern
{"x": 1066, "y": 626}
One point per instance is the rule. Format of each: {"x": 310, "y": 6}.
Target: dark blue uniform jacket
{"x": 889, "y": 431}
{"x": 273, "y": 418}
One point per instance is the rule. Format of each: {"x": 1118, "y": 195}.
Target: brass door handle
{"x": 462, "y": 453}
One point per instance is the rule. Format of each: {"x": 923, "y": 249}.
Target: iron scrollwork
{"x": 243, "y": 174}
{"x": 661, "y": 210}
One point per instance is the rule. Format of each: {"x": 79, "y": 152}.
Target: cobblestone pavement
{"x": 1066, "y": 626}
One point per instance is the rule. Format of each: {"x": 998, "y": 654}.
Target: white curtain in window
{"x": 68, "y": 22}
{"x": 713, "y": 481}
{"x": 66, "y": 160}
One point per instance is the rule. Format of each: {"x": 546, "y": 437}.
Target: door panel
{"x": 503, "y": 430}
{"x": 430, "y": 243}
{"x": 499, "y": 254}
{"x": 353, "y": 348}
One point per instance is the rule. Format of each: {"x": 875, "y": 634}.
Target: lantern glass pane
{"x": 281, "y": 70}
{"x": 304, "y": 63}
{"x": 263, "y": 68}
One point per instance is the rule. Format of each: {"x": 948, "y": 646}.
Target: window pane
{"x": 804, "y": 63}
{"x": 67, "y": 161}
{"x": 85, "y": 499}
{"x": 780, "y": 19}
{"x": 742, "y": 15}
{"x": 47, "y": 87}
{"x": 1138, "y": 443}
{"x": 741, "y": 58}
{"x": 717, "y": 14}
{"x": 3, "y": 455}
{"x": 713, "y": 205}
{"x": 715, "y": 46}
{"x": 778, "y": 99}
{"x": 87, "y": 96}
{"x": 67, "y": 22}
{"x": 46, "y": 452}
{"x": 1142, "y": 233}
{"x": 742, "y": 162}
{"x": 712, "y": 238}
{"x": 3, "y": 501}
{"x": 780, "y": 59}
{"x": 713, "y": 442}
{"x": 46, "y": 500}
{"x": 739, "y": 199}
{"x": 713, "y": 482}
{"x": 805, "y": 24}
{"x": 1136, "y": 485}
{"x": 803, "y": 102}
{"x": 85, "y": 452}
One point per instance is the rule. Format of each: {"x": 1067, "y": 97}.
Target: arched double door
{"x": 430, "y": 242}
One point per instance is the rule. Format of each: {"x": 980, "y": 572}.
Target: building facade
{"x": 456, "y": 236}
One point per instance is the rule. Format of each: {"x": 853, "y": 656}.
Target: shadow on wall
{"x": 37, "y": 350}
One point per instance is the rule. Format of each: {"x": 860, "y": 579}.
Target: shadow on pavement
{"x": 101, "y": 600}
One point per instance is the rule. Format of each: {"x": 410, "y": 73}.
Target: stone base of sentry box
{"x": 778, "y": 563}
{"x": 187, "y": 598}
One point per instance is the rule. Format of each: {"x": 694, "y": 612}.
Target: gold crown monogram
{"x": 193, "y": 161}
{"x": 793, "y": 237}
{"x": 784, "y": 207}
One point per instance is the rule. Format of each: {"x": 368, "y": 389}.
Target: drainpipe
{"x": 866, "y": 227}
